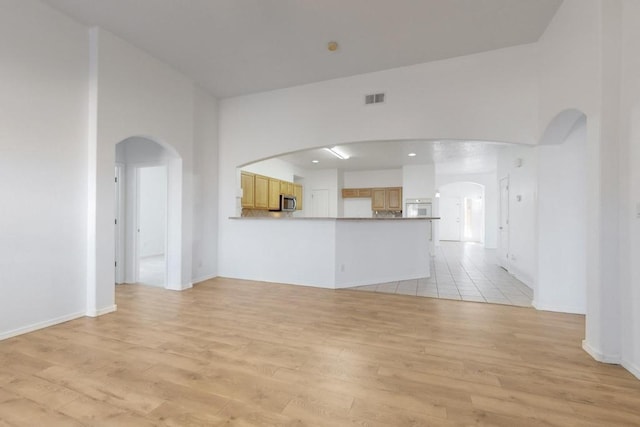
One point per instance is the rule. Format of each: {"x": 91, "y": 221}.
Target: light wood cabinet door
{"x": 290, "y": 188}
{"x": 348, "y": 193}
{"x": 394, "y": 199}
{"x": 247, "y": 184}
{"x": 378, "y": 199}
{"x": 364, "y": 192}
{"x": 274, "y": 194}
{"x": 284, "y": 187}
{"x": 261, "y": 197}
{"x": 297, "y": 191}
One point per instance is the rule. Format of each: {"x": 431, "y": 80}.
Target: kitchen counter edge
{"x": 333, "y": 218}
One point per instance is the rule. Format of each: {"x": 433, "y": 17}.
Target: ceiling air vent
{"x": 374, "y": 98}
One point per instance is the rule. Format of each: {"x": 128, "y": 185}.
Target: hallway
{"x": 463, "y": 271}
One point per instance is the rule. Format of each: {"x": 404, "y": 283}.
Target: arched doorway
{"x": 148, "y": 213}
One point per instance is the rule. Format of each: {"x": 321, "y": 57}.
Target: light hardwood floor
{"x": 242, "y": 353}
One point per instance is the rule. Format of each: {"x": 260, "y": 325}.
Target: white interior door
{"x": 320, "y": 203}
{"x": 450, "y": 226}
{"x": 503, "y": 224}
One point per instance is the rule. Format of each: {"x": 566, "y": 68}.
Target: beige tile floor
{"x": 463, "y": 271}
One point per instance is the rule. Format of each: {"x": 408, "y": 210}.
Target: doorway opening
{"x": 462, "y": 209}
{"x": 148, "y": 214}
{"x": 151, "y": 225}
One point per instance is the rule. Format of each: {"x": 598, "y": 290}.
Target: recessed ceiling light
{"x": 412, "y": 154}
{"x": 332, "y": 46}
{"x": 315, "y": 161}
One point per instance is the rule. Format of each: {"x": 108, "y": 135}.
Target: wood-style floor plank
{"x": 241, "y": 353}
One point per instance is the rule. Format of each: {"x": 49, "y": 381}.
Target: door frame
{"x": 120, "y": 222}
{"x": 504, "y": 261}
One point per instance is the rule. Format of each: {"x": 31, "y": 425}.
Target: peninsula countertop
{"x": 298, "y": 218}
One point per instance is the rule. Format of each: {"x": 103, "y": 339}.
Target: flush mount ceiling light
{"x": 315, "y": 161}
{"x": 336, "y": 152}
{"x": 332, "y": 46}
{"x": 412, "y": 154}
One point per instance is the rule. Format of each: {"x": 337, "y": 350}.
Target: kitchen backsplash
{"x": 260, "y": 212}
{"x": 387, "y": 214}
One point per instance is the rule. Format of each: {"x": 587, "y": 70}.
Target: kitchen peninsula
{"x": 331, "y": 252}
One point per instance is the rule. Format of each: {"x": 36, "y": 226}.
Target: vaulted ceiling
{"x": 234, "y": 47}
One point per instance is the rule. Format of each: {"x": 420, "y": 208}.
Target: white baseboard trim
{"x": 631, "y": 367}
{"x": 204, "y": 278}
{"x": 179, "y": 287}
{"x": 599, "y": 356}
{"x": 92, "y": 312}
{"x": 40, "y": 325}
{"x": 557, "y": 308}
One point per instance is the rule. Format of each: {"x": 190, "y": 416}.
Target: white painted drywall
{"x": 357, "y": 208}
{"x": 205, "y": 187}
{"x": 152, "y": 210}
{"x": 370, "y": 251}
{"x": 519, "y": 163}
{"x": 418, "y": 182}
{"x": 373, "y": 178}
{"x": 43, "y": 167}
{"x": 275, "y": 168}
{"x": 630, "y": 187}
{"x": 562, "y": 224}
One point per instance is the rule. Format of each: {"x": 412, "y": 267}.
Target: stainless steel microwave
{"x": 288, "y": 203}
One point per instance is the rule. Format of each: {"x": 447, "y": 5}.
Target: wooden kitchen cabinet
{"x": 274, "y": 194}
{"x": 378, "y": 199}
{"x": 386, "y": 199}
{"x": 297, "y": 191}
{"x": 350, "y": 193}
{"x": 261, "y": 192}
{"x": 248, "y": 189}
{"x": 394, "y": 199}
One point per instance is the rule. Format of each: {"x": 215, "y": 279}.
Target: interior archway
{"x": 141, "y": 161}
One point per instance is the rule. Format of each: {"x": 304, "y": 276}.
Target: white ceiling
{"x": 236, "y": 47}
{"x": 450, "y": 157}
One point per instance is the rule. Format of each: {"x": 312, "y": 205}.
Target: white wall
{"x": 522, "y": 213}
{"x": 205, "y": 187}
{"x": 630, "y": 179}
{"x": 418, "y": 182}
{"x": 152, "y": 196}
{"x": 43, "y": 167}
{"x": 275, "y": 168}
{"x": 373, "y": 178}
{"x": 562, "y": 224}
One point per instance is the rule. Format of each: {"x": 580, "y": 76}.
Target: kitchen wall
{"x": 274, "y": 168}
{"x": 321, "y": 180}
{"x": 43, "y": 167}
{"x": 519, "y": 165}
{"x": 361, "y": 208}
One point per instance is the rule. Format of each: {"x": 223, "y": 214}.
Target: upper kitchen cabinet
{"x": 274, "y": 194}
{"x": 386, "y": 199}
{"x": 378, "y": 199}
{"x": 350, "y": 193}
{"x": 261, "y": 192}
{"x": 248, "y": 189}
{"x": 297, "y": 191}
{"x": 394, "y": 199}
